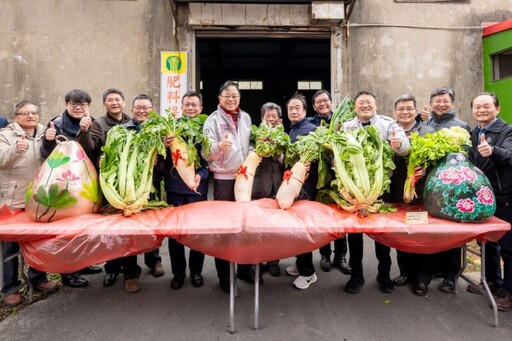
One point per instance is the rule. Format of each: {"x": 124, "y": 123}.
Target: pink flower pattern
{"x": 67, "y": 177}
{"x": 466, "y": 205}
{"x": 485, "y": 195}
{"x": 451, "y": 176}
{"x": 469, "y": 174}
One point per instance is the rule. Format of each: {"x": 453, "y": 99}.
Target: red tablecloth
{"x": 240, "y": 232}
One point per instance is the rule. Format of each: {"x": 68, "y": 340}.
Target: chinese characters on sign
{"x": 173, "y": 81}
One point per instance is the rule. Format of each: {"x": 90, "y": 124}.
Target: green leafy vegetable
{"x": 270, "y": 141}
{"x": 362, "y": 164}
{"x": 429, "y": 149}
{"x": 126, "y": 168}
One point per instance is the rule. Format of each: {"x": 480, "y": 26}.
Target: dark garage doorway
{"x": 277, "y": 64}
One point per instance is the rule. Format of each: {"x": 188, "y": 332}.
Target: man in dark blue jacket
{"x": 303, "y": 268}
{"x": 322, "y": 103}
{"x": 178, "y": 193}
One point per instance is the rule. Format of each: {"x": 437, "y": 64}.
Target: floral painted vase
{"x": 457, "y": 190}
{"x": 65, "y": 185}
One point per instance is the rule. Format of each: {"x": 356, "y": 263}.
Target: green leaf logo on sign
{"x": 173, "y": 63}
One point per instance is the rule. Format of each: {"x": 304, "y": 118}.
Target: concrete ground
{"x": 322, "y": 312}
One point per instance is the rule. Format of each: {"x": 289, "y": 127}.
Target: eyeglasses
{"x": 442, "y": 102}
{"x": 320, "y": 101}
{"x": 405, "y": 109}
{"x": 193, "y": 105}
{"x": 25, "y": 114}
{"x": 230, "y": 96}
{"x": 139, "y": 108}
{"x": 81, "y": 105}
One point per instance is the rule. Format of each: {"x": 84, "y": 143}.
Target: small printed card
{"x": 416, "y": 218}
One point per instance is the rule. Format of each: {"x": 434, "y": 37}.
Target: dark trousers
{"x": 152, "y": 258}
{"x": 11, "y": 269}
{"x": 305, "y": 265}
{"x": 450, "y": 263}
{"x": 383, "y": 256}
{"x": 225, "y": 190}
{"x": 340, "y": 248}
{"x": 179, "y": 262}
{"x": 355, "y": 246}
{"x": 127, "y": 265}
{"x": 176, "y": 249}
{"x": 504, "y": 212}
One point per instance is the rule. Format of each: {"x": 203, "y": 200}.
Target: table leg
{"x": 257, "y": 297}
{"x": 231, "y": 297}
{"x": 487, "y": 291}
{"x": 484, "y": 282}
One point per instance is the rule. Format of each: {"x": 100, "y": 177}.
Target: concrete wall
{"x": 49, "y": 47}
{"x": 391, "y": 60}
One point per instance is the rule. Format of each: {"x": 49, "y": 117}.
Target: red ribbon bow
{"x": 243, "y": 171}
{"x": 176, "y": 156}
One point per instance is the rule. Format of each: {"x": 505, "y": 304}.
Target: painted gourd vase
{"x": 457, "y": 190}
{"x": 65, "y": 185}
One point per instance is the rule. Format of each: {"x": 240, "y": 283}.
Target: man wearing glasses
{"x": 68, "y": 124}
{"x": 322, "y": 103}
{"x": 178, "y": 194}
{"x": 141, "y": 106}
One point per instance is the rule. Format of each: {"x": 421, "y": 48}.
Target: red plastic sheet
{"x": 245, "y": 233}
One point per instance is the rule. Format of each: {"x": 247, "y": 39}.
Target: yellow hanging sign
{"x": 174, "y": 62}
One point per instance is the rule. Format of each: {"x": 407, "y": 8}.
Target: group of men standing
{"x": 229, "y": 131}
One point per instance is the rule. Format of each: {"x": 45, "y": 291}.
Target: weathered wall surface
{"x": 49, "y": 47}
{"x": 389, "y": 60}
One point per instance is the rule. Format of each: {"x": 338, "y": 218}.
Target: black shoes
{"x": 248, "y": 276}
{"x": 110, "y": 279}
{"x": 177, "y": 281}
{"x": 325, "y": 263}
{"x": 401, "y": 280}
{"x": 197, "y": 280}
{"x": 74, "y": 280}
{"x": 385, "y": 284}
{"x": 447, "y": 286}
{"x": 354, "y": 285}
{"x": 420, "y": 289}
{"x": 342, "y": 264}
{"x": 90, "y": 270}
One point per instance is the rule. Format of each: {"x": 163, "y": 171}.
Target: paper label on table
{"x": 416, "y": 218}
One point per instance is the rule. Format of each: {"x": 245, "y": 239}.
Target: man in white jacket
{"x": 365, "y": 106}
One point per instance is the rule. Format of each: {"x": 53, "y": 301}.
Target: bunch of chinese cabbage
{"x": 126, "y": 168}
{"x": 343, "y": 113}
{"x": 188, "y": 133}
{"x": 269, "y": 142}
{"x": 429, "y": 149}
{"x": 362, "y": 164}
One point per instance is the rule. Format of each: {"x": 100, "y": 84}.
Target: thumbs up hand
{"x": 22, "y": 144}
{"x": 395, "y": 141}
{"x": 85, "y": 123}
{"x": 484, "y": 148}
{"x": 425, "y": 113}
{"x": 51, "y": 132}
{"x": 226, "y": 143}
